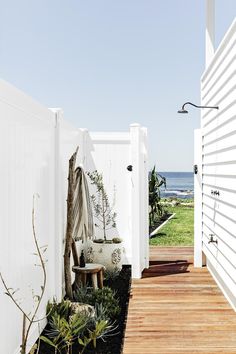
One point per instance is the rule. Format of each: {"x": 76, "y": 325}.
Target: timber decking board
{"x": 178, "y": 309}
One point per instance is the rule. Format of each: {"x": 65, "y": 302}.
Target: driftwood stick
{"x": 23, "y": 343}
{"x": 69, "y": 226}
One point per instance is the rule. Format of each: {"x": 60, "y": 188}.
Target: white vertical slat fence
{"x": 35, "y": 146}
{"x": 27, "y": 155}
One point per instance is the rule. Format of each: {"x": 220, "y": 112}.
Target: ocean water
{"x": 178, "y": 184}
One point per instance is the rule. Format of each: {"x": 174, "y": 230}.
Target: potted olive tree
{"x": 106, "y": 248}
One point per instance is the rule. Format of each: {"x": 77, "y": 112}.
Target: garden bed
{"x": 113, "y": 344}
{"x": 159, "y": 222}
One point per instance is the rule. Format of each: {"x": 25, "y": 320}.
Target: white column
{"x": 59, "y": 232}
{"x": 145, "y": 200}
{"x": 198, "y": 261}
{"x": 210, "y": 31}
{"x": 135, "y": 200}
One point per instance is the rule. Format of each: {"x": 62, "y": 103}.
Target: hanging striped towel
{"x": 82, "y": 213}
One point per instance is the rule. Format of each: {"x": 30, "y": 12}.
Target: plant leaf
{"x": 48, "y": 341}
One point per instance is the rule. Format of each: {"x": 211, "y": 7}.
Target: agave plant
{"x": 155, "y": 182}
{"x": 65, "y": 329}
{"x": 62, "y": 332}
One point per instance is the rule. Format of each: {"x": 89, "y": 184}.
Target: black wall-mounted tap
{"x": 211, "y": 240}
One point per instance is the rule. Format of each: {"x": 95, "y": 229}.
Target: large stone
{"x": 85, "y": 309}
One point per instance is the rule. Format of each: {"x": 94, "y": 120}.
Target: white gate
{"x": 111, "y": 154}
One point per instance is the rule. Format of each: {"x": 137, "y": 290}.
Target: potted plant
{"x": 106, "y": 248}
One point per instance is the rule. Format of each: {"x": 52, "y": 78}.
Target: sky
{"x": 111, "y": 63}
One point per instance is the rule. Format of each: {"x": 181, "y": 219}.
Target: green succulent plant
{"x": 105, "y": 296}
{"x": 64, "y": 328}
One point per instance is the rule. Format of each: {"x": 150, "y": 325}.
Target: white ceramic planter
{"x": 111, "y": 255}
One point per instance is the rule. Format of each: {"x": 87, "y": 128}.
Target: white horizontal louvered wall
{"x": 218, "y": 88}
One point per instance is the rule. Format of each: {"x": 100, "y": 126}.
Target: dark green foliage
{"x": 60, "y": 308}
{"x": 111, "y": 274}
{"x": 105, "y": 296}
{"x": 101, "y": 329}
{"x": 83, "y": 295}
{"x": 155, "y": 182}
{"x": 63, "y": 331}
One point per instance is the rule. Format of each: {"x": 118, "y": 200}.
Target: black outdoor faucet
{"x": 212, "y": 239}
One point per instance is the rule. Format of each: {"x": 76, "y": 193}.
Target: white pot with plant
{"x": 107, "y": 248}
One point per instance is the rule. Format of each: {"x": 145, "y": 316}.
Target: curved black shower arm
{"x": 194, "y": 105}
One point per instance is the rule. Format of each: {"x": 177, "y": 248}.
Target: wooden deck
{"x": 176, "y": 309}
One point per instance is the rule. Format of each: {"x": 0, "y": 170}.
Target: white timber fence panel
{"x": 27, "y": 155}
{"x": 218, "y": 88}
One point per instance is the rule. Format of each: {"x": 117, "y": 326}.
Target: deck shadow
{"x": 161, "y": 268}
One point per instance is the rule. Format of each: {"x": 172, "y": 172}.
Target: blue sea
{"x": 178, "y": 184}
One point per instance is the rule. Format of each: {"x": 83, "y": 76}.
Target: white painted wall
{"x": 218, "y": 87}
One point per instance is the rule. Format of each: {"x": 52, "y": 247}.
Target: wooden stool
{"x": 96, "y": 271}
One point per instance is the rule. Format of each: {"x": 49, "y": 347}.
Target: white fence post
{"x": 139, "y": 200}
{"x": 210, "y": 32}
{"x": 145, "y": 201}
{"x": 83, "y": 151}
{"x": 198, "y": 261}
{"x": 57, "y": 252}
{"x": 135, "y": 200}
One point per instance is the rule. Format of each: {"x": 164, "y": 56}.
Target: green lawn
{"x": 178, "y": 231}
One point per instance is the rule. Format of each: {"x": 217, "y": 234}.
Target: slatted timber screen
{"x": 218, "y": 87}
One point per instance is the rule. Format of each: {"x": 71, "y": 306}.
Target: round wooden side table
{"x": 95, "y": 270}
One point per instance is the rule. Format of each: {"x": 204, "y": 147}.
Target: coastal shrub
{"x": 111, "y": 274}
{"x": 155, "y": 206}
{"x": 62, "y": 332}
{"x": 105, "y": 296}
{"x": 60, "y": 308}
